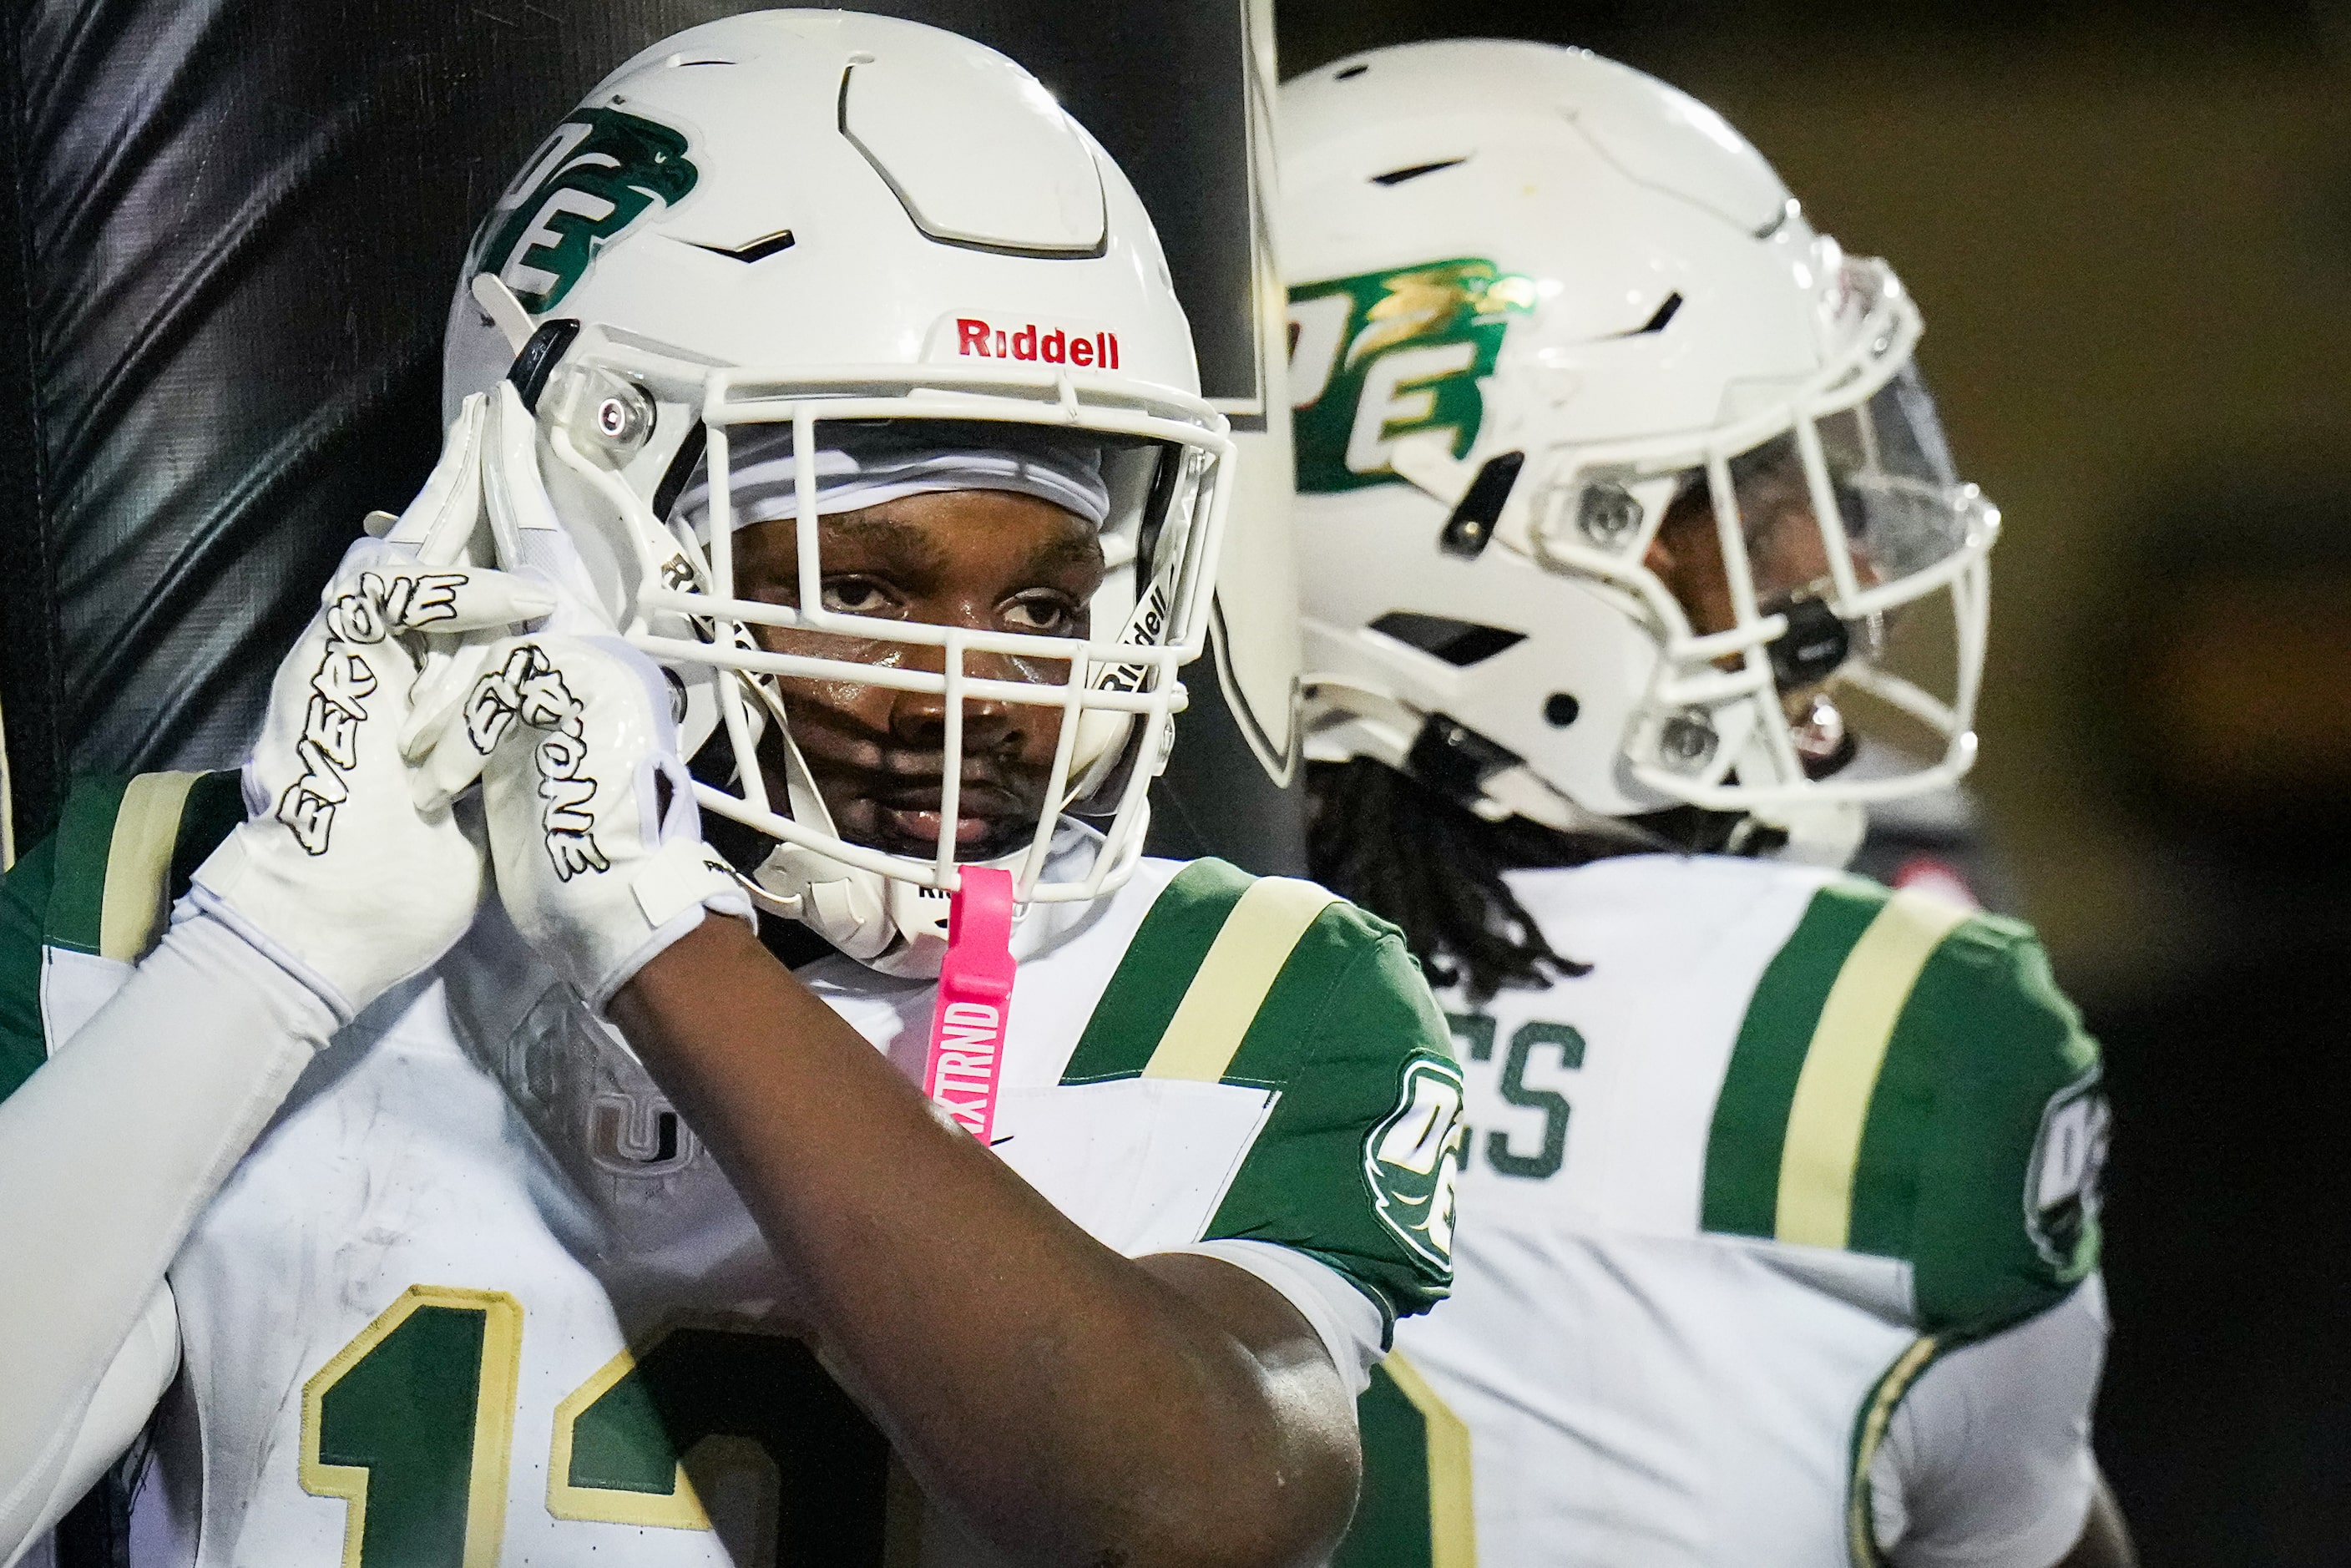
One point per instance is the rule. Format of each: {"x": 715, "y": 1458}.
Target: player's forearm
{"x": 109, "y": 1154}
{"x": 1064, "y": 1402}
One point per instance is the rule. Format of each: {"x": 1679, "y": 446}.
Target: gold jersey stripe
{"x": 137, "y": 860}
{"x": 1452, "y": 1520}
{"x": 1231, "y": 983}
{"x": 1860, "y": 1519}
{"x": 1841, "y": 1067}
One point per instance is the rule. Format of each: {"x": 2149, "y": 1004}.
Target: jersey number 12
{"x": 413, "y": 1423}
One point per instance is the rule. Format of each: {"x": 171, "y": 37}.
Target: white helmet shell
{"x": 804, "y": 217}
{"x": 822, "y": 188}
{"x": 1537, "y": 297}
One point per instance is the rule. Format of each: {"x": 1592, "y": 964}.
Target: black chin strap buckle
{"x": 539, "y": 359}
{"x": 1455, "y": 760}
{"x": 1813, "y": 648}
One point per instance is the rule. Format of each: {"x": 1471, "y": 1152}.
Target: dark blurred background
{"x": 231, "y": 225}
{"x": 2129, "y": 228}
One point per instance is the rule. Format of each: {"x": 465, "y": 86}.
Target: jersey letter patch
{"x": 1413, "y": 1159}
{"x": 2069, "y": 1160}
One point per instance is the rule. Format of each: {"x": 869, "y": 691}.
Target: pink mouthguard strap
{"x": 975, "y": 1001}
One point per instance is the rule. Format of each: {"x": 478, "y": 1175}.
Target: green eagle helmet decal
{"x": 1413, "y": 1159}
{"x": 1390, "y": 354}
{"x": 602, "y": 170}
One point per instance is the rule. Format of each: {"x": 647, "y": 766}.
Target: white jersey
{"x": 1775, "y": 1234}
{"x": 479, "y": 1294}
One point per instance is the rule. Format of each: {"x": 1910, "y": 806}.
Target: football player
{"x": 822, "y": 411}
{"x": 1628, "y": 512}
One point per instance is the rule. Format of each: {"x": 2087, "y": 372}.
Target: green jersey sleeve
{"x": 101, "y": 886}
{"x": 1910, "y": 1083}
{"x": 1987, "y": 1136}
{"x": 24, "y": 905}
{"x": 1276, "y": 984}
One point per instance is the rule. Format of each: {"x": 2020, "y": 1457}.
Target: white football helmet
{"x": 1536, "y": 299}
{"x": 773, "y": 236}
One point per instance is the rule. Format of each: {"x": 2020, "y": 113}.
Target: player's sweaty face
{"x": 986, "y": 560}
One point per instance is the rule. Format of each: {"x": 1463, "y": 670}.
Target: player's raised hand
{"x": 338, "y": 873}
{"x": 593, "y": 829}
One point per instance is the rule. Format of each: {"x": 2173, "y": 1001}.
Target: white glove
{"x": 594, "y": 832}
{"x": 338, "y": 875}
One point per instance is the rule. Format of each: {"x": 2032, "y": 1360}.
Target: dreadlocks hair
{"x": 1431, "y": 867}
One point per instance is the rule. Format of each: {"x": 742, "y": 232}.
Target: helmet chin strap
{"x": 896, "y": 927}
{"x": 1825, "y": 833}
{"x": 1521, "y": 791}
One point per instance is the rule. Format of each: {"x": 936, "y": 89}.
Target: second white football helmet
{"x": 1539, "y": 301}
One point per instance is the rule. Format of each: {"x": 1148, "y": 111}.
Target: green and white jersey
{"x": 1776, "y": 1230}
{"x": 479, "y": 1293}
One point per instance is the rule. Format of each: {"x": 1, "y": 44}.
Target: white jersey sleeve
{"x": 126, "y": 1395}
{"x": 1796, "y": 1191}
{"x": 109, "y": 1153}
{"x": 1986, "y": 1461}
{"x": 1342, "y": 1317}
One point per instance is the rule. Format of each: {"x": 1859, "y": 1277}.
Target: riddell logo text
{"x": 1055, "y": 347}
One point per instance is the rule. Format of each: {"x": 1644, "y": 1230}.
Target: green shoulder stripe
{"x": 125, "y": 850}
{"x": 23, "y": 905}
{"x": 102, "y": 883}
{"x": 1909, "y": 1083}
{"x": 1358, "y": 1163}
{"x": 1277, "y": 984}
{"x": 1986, "y": 1140}
{"x": 1212, "y": 986}
{"x": 82, "y": 843}
{"x": 1155, "y": 971}
{"x": 1758, "y": 1089}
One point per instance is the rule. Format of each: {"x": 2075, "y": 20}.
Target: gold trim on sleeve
{"x": 139, "y": 863}
{"x": 1841, "y": 1066}
{"x": 1243, "y": 963}
{"x": 1452, "y": 1520}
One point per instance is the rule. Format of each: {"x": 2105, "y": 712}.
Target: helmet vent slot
{"x": 1662, "y": 319}
{"x": 763, "y": 247}
{"x": 1470, "y": 529}
{"x": 1461, "y": 643}
{"x": 1351, "y": 73}
{"x": 1398, "y": 176}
